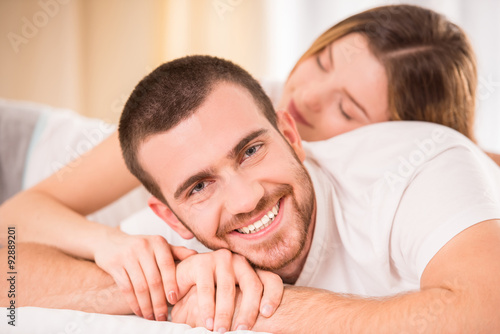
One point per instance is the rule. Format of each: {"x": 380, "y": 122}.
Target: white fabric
{"x": 389, "y": 196}
{"x": 63, "y": 137}
{"x": 33, "y": 320}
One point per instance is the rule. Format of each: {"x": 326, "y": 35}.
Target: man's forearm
{"x": 46, "y": 277}
{"x": 307, "y": 310}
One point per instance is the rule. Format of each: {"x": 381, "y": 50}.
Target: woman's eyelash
{"x": 342, "y": 111}
{"x": 318, "y": 61}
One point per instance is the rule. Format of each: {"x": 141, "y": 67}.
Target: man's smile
{"x": 262, "y": 223}
{"x": 261, "y": 226}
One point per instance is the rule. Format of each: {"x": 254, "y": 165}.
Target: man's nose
{"x": 242, "y": 194}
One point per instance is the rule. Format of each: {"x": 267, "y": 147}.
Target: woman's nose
{"x": 317, "y": 96}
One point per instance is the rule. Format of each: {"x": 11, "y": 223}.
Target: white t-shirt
{"x": 389, "y": 196}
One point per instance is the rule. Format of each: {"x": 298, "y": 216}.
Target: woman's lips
{"x": 292, "y": 109}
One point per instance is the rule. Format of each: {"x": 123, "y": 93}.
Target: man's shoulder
{"x": 363, "y": 157}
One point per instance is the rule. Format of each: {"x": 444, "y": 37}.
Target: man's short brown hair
{"x": 172, "y": 93}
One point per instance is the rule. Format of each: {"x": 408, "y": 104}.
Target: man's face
{"x": 233, "y": 180}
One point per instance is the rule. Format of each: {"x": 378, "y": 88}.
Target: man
{"x": 418, "y": 228}
{"x": 220, "y": 170}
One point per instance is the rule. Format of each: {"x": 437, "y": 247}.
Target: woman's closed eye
{"x": 343, "y": 112}
{"x": 320, "y": 65}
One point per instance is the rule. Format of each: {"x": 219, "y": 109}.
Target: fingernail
{"x": 209, "y": 323}
{"x": 266, "y": 310}
{"x": 150, "y": 317}
{"x": 242, "y": 328}
{"x": 172, "y": 297}
{"x": 161, "y": 317}
{"x": 138, "y": 312}
{"x": 221, "y": 330}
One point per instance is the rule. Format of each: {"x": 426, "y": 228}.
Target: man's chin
{"x": 277, "y": 257}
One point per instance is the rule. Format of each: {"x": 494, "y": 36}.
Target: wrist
{"x": 99, "y": 239}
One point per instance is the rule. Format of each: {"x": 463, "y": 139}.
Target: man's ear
{"x": 286, "y": 125}
{"x": 164, "y": 212}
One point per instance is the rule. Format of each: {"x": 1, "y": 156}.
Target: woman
{"x": 431, "y": 72}
{"x": 376, "y": 66}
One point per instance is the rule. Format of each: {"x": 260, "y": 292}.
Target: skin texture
{"x": 342, "y": 88}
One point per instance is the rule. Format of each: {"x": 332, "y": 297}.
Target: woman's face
{"x": 341, "y": 88}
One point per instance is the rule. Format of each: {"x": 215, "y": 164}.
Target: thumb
{"x": 180, "y": 253}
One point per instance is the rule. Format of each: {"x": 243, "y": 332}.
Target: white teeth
{"x": 262, "y": 223}
{"x": 259, "y": 224}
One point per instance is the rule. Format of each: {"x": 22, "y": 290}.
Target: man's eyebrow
{"x": 357, "y": 103}
{"x": 244, "y": 141}
{"x": 192, "y": 179}
{"x": 231, "y": 155}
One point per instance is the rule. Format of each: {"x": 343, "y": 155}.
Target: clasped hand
{"x": 145, "y": 270}
{"x": 215, "y": 280}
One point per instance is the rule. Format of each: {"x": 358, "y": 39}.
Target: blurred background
{"x": 87, "y": 55}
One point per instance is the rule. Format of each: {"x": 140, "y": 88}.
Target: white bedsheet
{"x": 34, "y": 320}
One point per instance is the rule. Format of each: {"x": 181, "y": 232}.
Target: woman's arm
{"x": 53, "y": 213}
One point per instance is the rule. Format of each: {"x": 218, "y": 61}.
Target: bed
{"x": 35, "y": 320}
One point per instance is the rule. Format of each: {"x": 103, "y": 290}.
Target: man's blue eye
{"x": 252, "y": 150}
{"x": 198, "y": 187}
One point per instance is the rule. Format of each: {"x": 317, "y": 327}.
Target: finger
{"x": 166, "y": 265}
{"x": 273, "y": 292}
{"x": 204, "y": 278}
{"x": 123, "y": 281}
{"x": 155, "y": 287}
{"x": 226, "y": 289}
{"x": 181, "y": 253}
{"x": 251, "y": 289}
{"x": 141, "y": 288}
{"x": 186, "y": 310}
